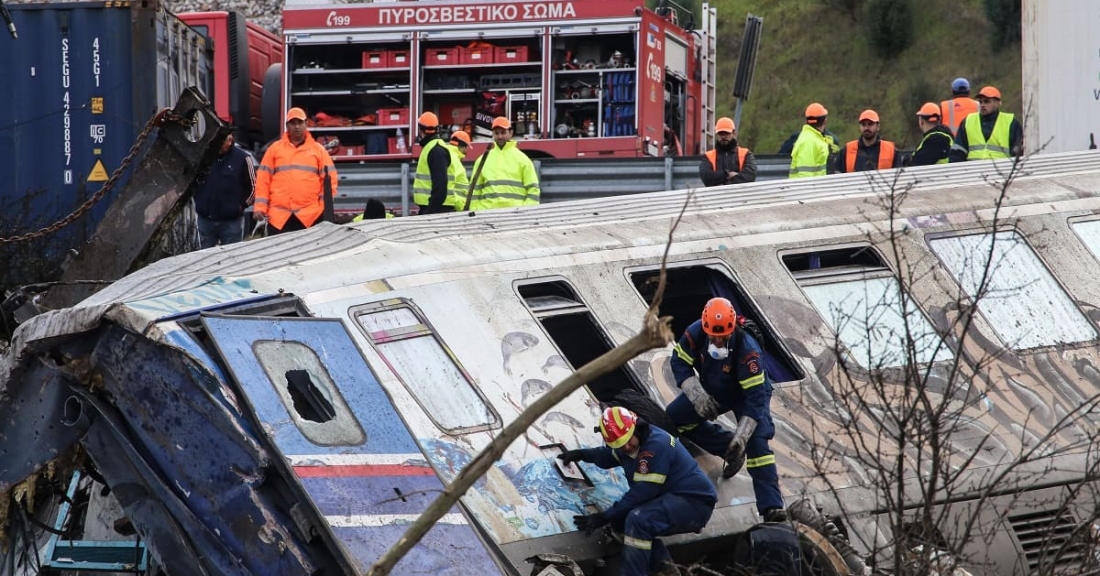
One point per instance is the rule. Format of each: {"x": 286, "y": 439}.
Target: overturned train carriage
{"x": 289, "y": 405}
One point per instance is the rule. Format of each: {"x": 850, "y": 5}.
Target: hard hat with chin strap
{"x": 617, "y": 426}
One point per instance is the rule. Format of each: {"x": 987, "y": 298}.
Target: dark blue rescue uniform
{"x": 738, "y": 383}
{"x": 668, "y": 494}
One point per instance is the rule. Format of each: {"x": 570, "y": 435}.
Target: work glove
{"x": 571, "y": 456}
{"x": 735, "y": 454}
{"x": 705, "y": 405}
{"x": 590, "y": 522}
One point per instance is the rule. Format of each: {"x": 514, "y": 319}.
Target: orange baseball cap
{"x": 869, "y": 115}
{"x": 295, "y": 114}
{"x": 724, "y": 124}
{"x": 929, "y": 109}
{"x": 502, "y": 122}
{"x": 990, "y": 92}
{"x": 428, "y": 120}
{"x": 461, "y": 136}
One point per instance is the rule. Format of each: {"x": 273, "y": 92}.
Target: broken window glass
{"x": 1022, "y": 301}
{"x": 573, "y": 329}
{"x": 308, "y": 393}
{"x": 857, "y": 295}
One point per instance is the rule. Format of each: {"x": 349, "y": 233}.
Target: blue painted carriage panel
{"x": 323, "y": 409}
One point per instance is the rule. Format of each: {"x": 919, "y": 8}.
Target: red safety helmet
{"x": 719, "y": 317}
{"x": 617, "y": 426}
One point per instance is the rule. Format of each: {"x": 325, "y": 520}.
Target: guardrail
{"x": 559, "y": 179}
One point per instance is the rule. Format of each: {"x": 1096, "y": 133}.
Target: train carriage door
{"x": 320, "y": 405}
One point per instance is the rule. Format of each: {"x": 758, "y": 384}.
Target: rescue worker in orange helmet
{"x": 990, "y": 134}
{"x": 810, "y": 155}
{"x": 727, "y": 163}
{"x": 961, "y": 105}
{"x": 719, "y": 366}
{"x": 432, "y": 185}
{"x": 937, "y": 141}
{"x": 870, "y": 151}
{"x": 292, "y": 179}
{"x": 457, "y": 177}
{"x": 668, "y": 492}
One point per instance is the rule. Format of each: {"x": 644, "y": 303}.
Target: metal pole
{"x": 737, "y": 113}
{"x": 404, "y": 188}
{"x": 668, "y": 173}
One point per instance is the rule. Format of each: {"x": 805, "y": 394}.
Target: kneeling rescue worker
{"x": 719, "y": 367}
{"x": 668, "y": 492}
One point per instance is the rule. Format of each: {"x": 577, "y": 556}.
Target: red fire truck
{"x": 243, "y": 52}
{"x": 577, "y": 78}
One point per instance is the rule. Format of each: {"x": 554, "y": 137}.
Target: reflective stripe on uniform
{"x": 683, "y": 355}
{"x": 261, "y": 201}
{"x": 808, "y": 169}
{"x": 687, "y": 427}
{"x": 287, "y": 167}
{"x": 637, "y": 543}
{"x": 267, "y": 169}
{"x": 760, "y": 461}
{"x": 752, "y": 381}
{"x": 653, "y": 477}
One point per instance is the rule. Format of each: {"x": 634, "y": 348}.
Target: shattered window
{"x": 308, "y": 392}
{"x": 411, "y": 350}
{"x": 1022, "y": 301}
{"x": 857, "y": 295}
{"x": 1089, "y": 232}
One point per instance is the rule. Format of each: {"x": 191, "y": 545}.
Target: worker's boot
{"x": 775, "y": 515}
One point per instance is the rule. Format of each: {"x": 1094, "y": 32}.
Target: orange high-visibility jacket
{"x": 290, "y": 180}
{"x": 955, "y": 110}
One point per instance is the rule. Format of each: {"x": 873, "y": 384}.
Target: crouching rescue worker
{"x": 668, "y": 492}
{"x": 719, "y": 367}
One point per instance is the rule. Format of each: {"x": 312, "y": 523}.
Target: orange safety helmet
{"x": 429, "y": 121}
{"x": 814, "y": 112}
{"x": 724, "y": 124}
{"x": 617, "y": 426}
{"x": 929, "y": 110}
{"x": 461, "y": 137}
{"x": 719, "y": 318}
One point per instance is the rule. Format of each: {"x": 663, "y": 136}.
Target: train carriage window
{"x": 574, "y": 330}
{"x": 1089, "y": 233}
{"x": 857, "y": 295}
{"x": 687, "y": 289}
{"x": 1015, "y": 292}
{"x": 311, "y": 398}
{"x": 410, "y": 348}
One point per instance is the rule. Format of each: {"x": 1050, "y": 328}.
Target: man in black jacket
{"x": 221, "y": 198}
{"x": 937, "y": 141}
{"x": 728, "y": 163}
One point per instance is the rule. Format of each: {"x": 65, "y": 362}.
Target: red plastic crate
{"x": 481, "y": 55}
{"x": 374, "y": 59}
{"x": 441, "y": 56}
{"x": 393, "y": 116}
{"x": 349, "y": 151}
{"x": 506, "y": 54}
{"x": 397, "y": 59}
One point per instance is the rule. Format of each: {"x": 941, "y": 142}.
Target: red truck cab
{"x": 243, "y": 52}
